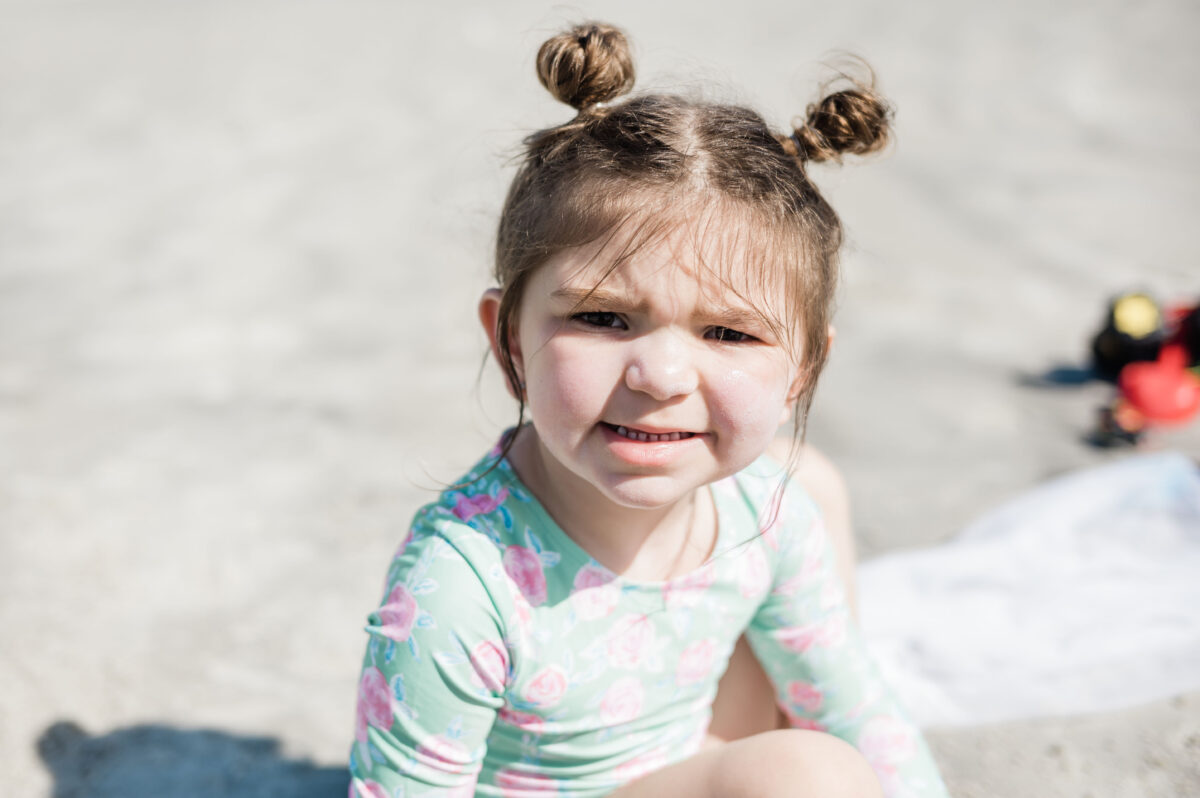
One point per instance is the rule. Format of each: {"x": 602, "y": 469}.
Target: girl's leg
{"x": 745, "y": 702}
{"x": 792, "y": 763}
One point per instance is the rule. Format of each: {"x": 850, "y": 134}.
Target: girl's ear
{"x": 802, "y": 378}
{"x": 793, "y": 394}
{"x": 789, "y": 406}
{"x": 489, "y": 317}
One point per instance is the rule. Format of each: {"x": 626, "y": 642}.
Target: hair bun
{"x": 855, "y": 120}
{"x": 588, "y": 64}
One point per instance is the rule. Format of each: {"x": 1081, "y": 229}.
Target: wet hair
{"x": 649, "y": 164}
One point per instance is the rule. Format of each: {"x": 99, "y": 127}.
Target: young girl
{"x": 557, "y": 622}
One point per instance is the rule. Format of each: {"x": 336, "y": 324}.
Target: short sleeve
{"x": 435, "y": 669}
{"x": 813, "y": 652}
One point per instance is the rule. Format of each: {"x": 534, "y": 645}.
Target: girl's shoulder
{"x": 481, "y": 513}
{"x": 459, "y": 540}
{"x": 769, "y": 498}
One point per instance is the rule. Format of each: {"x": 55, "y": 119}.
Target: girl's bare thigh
{"x": 792, "y": 762}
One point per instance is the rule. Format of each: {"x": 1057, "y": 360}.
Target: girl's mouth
{"x": 648, "y": 437}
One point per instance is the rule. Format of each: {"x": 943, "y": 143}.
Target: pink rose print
{"x": 695, "y": 663}
{"x": 514, "y": 784}
{"x": 805, "y": 696}
{"x": 814, "y": 550}
{"x": 592, "y": 576}
{"x": 547, "y": 686}
{"x": 695, "y": 741}
{"x": 688, "y": 590}
{"x": 525, "y": 721}
{"x": 754, "y": 573}
{"x": 641, "y": 765}
{"x": 622, "y": 701}
{"x": 798, "y": 638}
{"x": 790, "y": 586}
{"x": 522, "y": 615}
{"x": 374, "y": 703}
{"x": 770, "y": 535}
{"x": 831, "y": 595}
{"x": 630, "y": 641}
{"x": 368, "y": 789}
{"x": 404, "y": 543}
{"x": 770, "y": 532}
{"x": 595, "y": 594}
{"x": 824, "y": 634}
{"x": 467, "y": 507}
{"x": 490, "y": 660}
{"x": 398, "y": 614}
{"x": 886, "y": 743}
{"x": 801, "y": 722}
{"x": 524, "y": 567}
{"x": 443, "y": 753}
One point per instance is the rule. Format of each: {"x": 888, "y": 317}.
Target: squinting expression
{"x": 651, "y": 381}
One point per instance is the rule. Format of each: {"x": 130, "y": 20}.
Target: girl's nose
{"x": 661, "y": 366}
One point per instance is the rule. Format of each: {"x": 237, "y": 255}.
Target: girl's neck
{"x": 640, "y": 544}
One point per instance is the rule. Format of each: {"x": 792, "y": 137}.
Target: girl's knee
{"x": 798, "y": 764}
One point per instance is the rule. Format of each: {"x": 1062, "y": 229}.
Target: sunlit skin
{"x": 643, "y": 386}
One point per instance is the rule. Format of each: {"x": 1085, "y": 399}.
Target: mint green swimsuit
{"x": 505, "y": 661}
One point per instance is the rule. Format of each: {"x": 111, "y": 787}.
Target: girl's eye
{"x": 599, "y": 318}
{"x": 728, "y": 335}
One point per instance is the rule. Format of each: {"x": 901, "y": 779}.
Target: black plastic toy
{"x": 1154, "y": 358}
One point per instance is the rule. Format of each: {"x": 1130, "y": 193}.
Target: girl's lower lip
{"x": 647, "y": 453}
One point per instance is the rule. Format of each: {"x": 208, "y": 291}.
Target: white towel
{"x": 1082, "y": 595}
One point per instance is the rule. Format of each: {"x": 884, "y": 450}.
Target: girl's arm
{"x": 810, "y": 646}
{"x": 433, "y": 675}
{"x": 822, "y": 480}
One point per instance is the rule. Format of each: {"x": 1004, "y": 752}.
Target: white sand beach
{"x": 240, "y": 249}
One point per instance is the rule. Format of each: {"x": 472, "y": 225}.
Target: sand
{"x": 240, "y": 247}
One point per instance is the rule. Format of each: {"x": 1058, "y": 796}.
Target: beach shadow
{"x": 1062, "y": 376}
{"x": 164, "y": 761}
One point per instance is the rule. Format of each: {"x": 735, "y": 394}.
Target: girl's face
{"x": 653, "y": 380}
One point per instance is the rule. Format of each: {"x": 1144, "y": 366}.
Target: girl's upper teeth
{"x": 651, "y": 437}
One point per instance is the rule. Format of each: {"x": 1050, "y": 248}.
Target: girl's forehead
{"x": 716, "y": 264}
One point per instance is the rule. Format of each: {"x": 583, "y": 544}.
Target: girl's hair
{"x": 647, "y": 164}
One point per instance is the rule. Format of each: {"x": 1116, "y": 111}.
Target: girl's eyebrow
{"x": 737, "y": 318}
{"x": 609, "y": 300}
{"x": 616, "y": 302}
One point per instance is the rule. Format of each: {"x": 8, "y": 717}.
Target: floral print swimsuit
{"x": 505, "y": 661}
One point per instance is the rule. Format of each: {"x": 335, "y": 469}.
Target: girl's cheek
{"x": 752, "y": 401}
{"x": 576, "y": 376}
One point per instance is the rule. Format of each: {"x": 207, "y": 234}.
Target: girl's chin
{"x": 648, "y": 493}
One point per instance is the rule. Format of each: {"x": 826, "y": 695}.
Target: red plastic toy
{"x": 1162, "y": 390}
